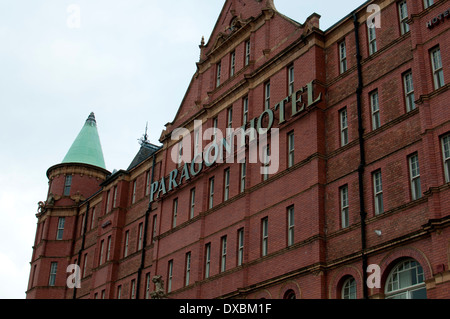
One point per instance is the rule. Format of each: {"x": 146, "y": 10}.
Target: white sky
{"x": 129, "y": 62}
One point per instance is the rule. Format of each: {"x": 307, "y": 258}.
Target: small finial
{"x": 202, "y": 43}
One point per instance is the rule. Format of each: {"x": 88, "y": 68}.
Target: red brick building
{"x": 361, "y": 192}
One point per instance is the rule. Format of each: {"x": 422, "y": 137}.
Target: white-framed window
{"x": 223, "y": 254}
{"x": 232, "y": 63}
{"x": 93, "y": 217}
{"x": 344, "y": 206}
{"x": 406, "y": 281}
{"x": 215, "y": 126}
{"x": 240, "y": 252}
{"x": 266, "y": 162}
{"x": 342, "y": 57}
{"x": 211, "y": 193}
{"x": 119, "y": 292}
{"x": 264, "y": 236}
{"x": 343, "y": 120}
{"x": 102, "y": 243}
{"x": 243, "y": 175}
{"x": 247, "y": 52}
{"x": 52, "y": 276}
{"x": 84, "y": 265}
{"x": 414, "y": 172}
{"x": 133, "y": 289}
{"x": 230, "y": 117}
{"x": 446, "y": 156}
{"x": 188, "y": 269}
{"x": 375, "y": 109}
{"x": 127, "y": 237}
{"x": 245, "y": 110}
{"x": 192, "y": 205}
{"x": 409, "y": 91}
{"x": 147, "y": 286}
{"x": 226, "y": 185}
{"x": 290, "y": 225}
{"x": 291, "y": 78}
{"x": 147, "y": 183}
{"x": 60, "y": 231}
{"x": 267, "y": 96}
{"x": 155, "y": 217}
{"x": 140, "y": 235}
{"x": 108, "y": 253}
{"x": 403, "y": 15}
{"x": 115, "y": 197}
{"x": 378, "y": 192}
{"x": 438, "y": 71}
{"x": 67, "y": 185}
{"x": 169, "y": 275}
{"x": 427, "y": 3}
{"x": 349, "y": 289}
{"x": 372, "y": 35}
{"x": 218, "y": 73}
{"x": 291, "y": 149}
{"x": 207, "y": 260}
{"x": 174, "y": 213}
{"x": 134, "y": 192}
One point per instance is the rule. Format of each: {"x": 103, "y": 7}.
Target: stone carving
{"x": 159, "y": 289}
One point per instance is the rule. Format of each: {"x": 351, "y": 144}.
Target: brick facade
{"x": 143, "y": 238}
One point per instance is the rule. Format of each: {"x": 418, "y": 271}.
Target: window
{"x": 125, "y": 252}
{"x": 291, "y": 149}
{"x": 180, "y": 153}
{"x": 84, "y": 265}
{"x": 290, "y": 80}
{"x": 243, "y": 174}
{"x": 101, "y": 252}
{"x": 134, "y": 192}
{"x": 154, "y": 228}
{"x": 108, "y": 253}
{"x": 344, "y": 126}
{"x": 140, "y": 235}
{"x": 93, "y": 217}
{"x": 108, "y": 201}
{"x": 409, "y": 91}
{"x": 403, "y": 12}
{"x": 266, "y": 161}
{"x": 446, "y": 156}
{"x": 375, "y": 108}
{"x": 226, "y": 185}
{"x": 372, "y": 39}
{"x": 290, "y": 224}
{"x": 174, "y": 213}
{"x": 247, "y": 52}
{"x": 245, "y": 110}
{"x": 232, "y": 63}
{"x": 207, "y": 259}
{"x": 115, "y": 197}
{"x": 197, "y": 146}
{"x": 264, "y": 236}
{"x": 133, "y": 289}
{"x": 211, "y": 192}
{"x": 414, "y": 172}
{"x": 192, "y": 206}
{"x": 119, "y": 291}
{"x": 378, "y": 192}
{"x": 427, "y": 3}
{"x": 147, "y": 286}
{"x": 60, "y": 231}
{"x": 223, "y": 254}
{"x": 290, "y": 294}
{"x": 406, "y": 281}
{"x": 342, "y": 57}
{"x": 230, "y": 117}
{"x": 267, "y": 96}
{"x": 349, "y": 289}
{"x": 147, "y": 183}
{"x": 438, "y": 71}
{"x": 169, "y": 276}
{"x": 52, "y": 277}
{"x": 215, "y": 125}
{"x": 240, "y": 248}
{"x": 67, "y": 185}
{"x": 218, "y": 73}
{"x": 188, "y": 269}
{"x": 344, "y": 206}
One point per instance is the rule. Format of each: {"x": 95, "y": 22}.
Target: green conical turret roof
{"x": 86, "y": 148}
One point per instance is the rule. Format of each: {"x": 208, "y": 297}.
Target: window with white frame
{"x": 211, "y": 193}
{"x": 372, "y": 35}
{"x": 226, "y": 185}
{"x": 267, "y": 96}
{"x": 266, "y": 161}
{"x": 67, "y": 185}
{"x": 414, "y": 171}
{"x": 243, "y": 174}
{"x": 403, "y": 15}
{"x": 343, "y": 117}
{"x": 349, "y": 289}
{"x": 232, "y": 63}
{"x": 438, "y": 71}
{"x": 409, "y": 91}
{"x": 140, "y": 235}
{"x": 344, "y": 206}
{"x": 134, "y": 192}
{"x": 290, "y": 80}
{"x": 245, "y": 110}
{"x": 188, "y": 269}
{"x": 175, "y": 213}
{"x": 52, "y": 276}
{"x": 108, "y": 253}
{"x": 342, "y": 57}
{"x": 406, "y": 281}
{"x": 291, "y": 149}
{"x": 375, "y": 109}
{"x": 101, "y": 252}
{"x": 291, "y": 225}
{"x": 207, "y": 260}
{"x": 264, "y": 236}
{"x": 192, "y": 205}
{"x": 427, "y": 3}
{"x": 223, "y": 254}
{"x": 446, "y": 156}
{"x": 169, "y": 276}
{"x": 127, "y": 237}
{"x": 247, "y": 52}
{"x": 147, "y": 286}
{"x": 60, "y": 231}
{"x": 218, "y": 73}
{"x": 378, "y": 192}
{"x": 240, "y": 253}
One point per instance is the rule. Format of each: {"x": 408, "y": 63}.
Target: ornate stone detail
{"x": 159, "y": 289}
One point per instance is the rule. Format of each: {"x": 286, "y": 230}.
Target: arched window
{"x": 349, "y": 289}
{"x": 406, "y": 281}
{"x": 290, "y": 294}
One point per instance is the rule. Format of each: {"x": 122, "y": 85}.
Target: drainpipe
{"x": 144, "y": 240}
{"x": 362, "y": 163}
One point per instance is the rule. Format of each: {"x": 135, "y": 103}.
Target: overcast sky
{"x": 129, "y": 62}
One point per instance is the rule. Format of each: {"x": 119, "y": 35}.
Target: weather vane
{"x": 144, "y": 138}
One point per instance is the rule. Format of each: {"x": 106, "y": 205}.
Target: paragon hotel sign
{"x": 261, "y": 126}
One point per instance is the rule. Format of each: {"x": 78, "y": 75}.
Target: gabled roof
{"x": 146, "y": 150}
{"x": 86, "y": 148}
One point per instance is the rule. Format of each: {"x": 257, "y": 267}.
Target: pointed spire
{"x": 87, "y": 148}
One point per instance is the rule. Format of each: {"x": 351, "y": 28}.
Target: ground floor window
{"x": 406, "y": 281}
